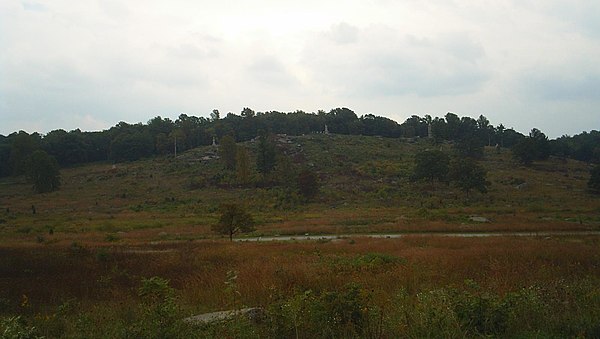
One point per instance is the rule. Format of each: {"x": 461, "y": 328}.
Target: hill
{"x": 365, "y": 187}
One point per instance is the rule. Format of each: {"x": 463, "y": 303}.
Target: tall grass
{"x": 413, "y": 286}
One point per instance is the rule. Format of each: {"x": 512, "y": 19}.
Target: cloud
{"x": 34, "y": 6}
{"x": 270, "y": 72}
{"x": 578, "y": 16}
{"x": 571, "y": 83}
{"x": 343, "y": 33}
{"x": 388, "y": 63}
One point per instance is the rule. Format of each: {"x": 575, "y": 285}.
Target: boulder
{"x": 254, "y": 314}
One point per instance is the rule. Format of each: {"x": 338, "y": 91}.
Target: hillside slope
{"x": 365, "y": 188}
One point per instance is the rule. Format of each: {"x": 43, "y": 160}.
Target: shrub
{"x": 326, "y": 315}
{"x": 17, "y": 328}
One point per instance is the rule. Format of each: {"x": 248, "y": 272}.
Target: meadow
{"x": 127, "y": 250}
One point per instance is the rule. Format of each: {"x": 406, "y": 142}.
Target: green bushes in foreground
{"x": 556, "y": 310}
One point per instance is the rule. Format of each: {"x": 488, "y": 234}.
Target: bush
{"x": 16, "y": 328}
{"x": 326, "y": 315}
{"x": 159, "y": 309}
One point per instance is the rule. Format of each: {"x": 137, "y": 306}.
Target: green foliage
{"x": 43, "y": 172}
{"x": 308, "y": 184}
{"x": 343, "y": 121}
{"x": 286, "y": 198}
{"x": 131, "y": 146}
{"x": 243, "y": 170}
{"x": 534, "y": 147}
{"x": 160, "y": 309}
{"x": 227, "y": 151}
{"x": 594, "y": 181}
{"x": 163, "y": 144}
{"x": 23, "y": 146}
{"x": 431, "y": 165}
{"x": 231, "y": 287}
{"x": 340, "y": 314}
{"x": 16, "y": 328}
{"x": 471, "y": 312}
{"x": 285, "y": 173}
{"x": 524, "y": 151}
{"x": 470, "y": 146}
{"x": 265, "y": 153}
{"x": 155, "y": 291}
{"x": 233, "y": 219}
{"x": 467, "y": 175}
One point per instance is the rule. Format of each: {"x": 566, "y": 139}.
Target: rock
{"x": 522, "y": 186}
{"x": 254, "y": 314}
{"x": 478, "y": 219}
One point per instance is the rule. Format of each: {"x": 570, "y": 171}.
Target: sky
{"x": 89, "y": 64}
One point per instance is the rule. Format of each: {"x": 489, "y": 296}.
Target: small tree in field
{"x": 430, "y": 166}
{"x": 234, "y": 219}
{"x": 466, "y": 174}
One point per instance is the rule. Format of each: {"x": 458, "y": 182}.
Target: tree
{"x": 43, "y": 172}
{"x": 466, "y": 174}
{"x": 242, "y": 165}
{"x": 541, "y": 143}
{"x": 524, "y": 151}
{"x": 234, "y": 219}
{"x": 431, "y": 165}
{"x": 215, "y": 115}
{"x": 5, "y": 147}
{"x": 534, "y": 147}
{"x": 227, "y": 150}
{"x": 500, "y": 133}
{"x": 470, "y": 146}
{"x": 129, "y": 146}
{"x": 452, "y": 125}
{"x": 247, "y": 113}
{"x": 23, "y": 146}
{"x": 308, "y": 184}
{"x": 594, "y": 182}
{"x": 485, "y": 129}
{"x": 163, "y": 145}
{"x": 340, "y": 120}
{"x": 265, "y": 156}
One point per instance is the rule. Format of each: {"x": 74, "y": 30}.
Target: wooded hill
{"x": 161, "y": 136}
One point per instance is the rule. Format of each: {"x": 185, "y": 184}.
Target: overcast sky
{"x": 91, "y": 63}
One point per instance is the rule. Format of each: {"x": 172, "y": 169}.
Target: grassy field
{"x": 82, "y": 265}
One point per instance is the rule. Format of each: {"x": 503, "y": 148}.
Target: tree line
{"x": 162, "y": 136}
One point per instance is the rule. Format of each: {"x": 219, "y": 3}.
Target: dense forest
{"x": 161, "y": 136}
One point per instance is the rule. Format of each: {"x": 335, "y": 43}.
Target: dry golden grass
{"x": 48, "y": 275}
